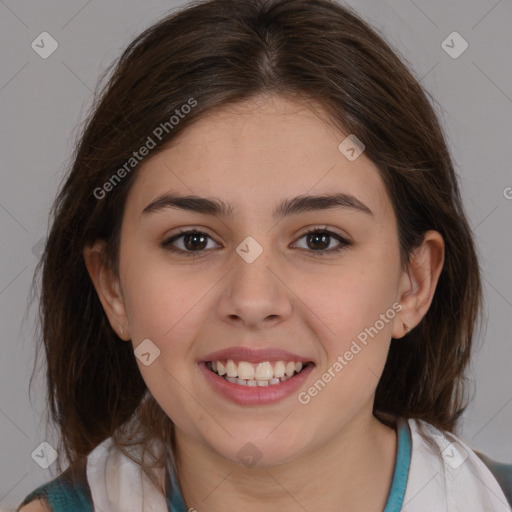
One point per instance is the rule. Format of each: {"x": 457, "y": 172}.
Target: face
{"x": 259, "y": 280}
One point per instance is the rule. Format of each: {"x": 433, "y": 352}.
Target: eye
{"x": 319, "y": 239}
{"x": 195, "y": 241}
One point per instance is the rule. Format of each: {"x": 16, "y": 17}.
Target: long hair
{"x": 222, "y": 52}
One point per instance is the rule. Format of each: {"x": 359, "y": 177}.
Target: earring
{"x": 407, "y": 328}
{"x": 122, "y": 330}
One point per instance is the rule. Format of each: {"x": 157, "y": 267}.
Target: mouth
{"x": 265, "y": 373}
{"x": 255, "y": 383}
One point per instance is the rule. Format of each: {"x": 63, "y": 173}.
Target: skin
{"x": 325, "y": 455}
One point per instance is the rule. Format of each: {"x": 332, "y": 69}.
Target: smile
{"x": 266, "y": 382}
{"x": 261, "y": 374}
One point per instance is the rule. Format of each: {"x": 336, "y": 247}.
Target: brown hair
{"x": 222, "y": 52}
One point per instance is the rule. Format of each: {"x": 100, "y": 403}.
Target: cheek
{"x": 160, "y": 300}
{"x": 165, "y": 311}
{"x": 355, "y": 330}
{"x": 353, "y": 313}
{"x": 350, "y": 298}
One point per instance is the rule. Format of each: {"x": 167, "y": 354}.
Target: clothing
{"x": 445, "y": 476}
{"x": 449, "y": 476}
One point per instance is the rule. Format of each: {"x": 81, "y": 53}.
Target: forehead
{"x": 256, "y": 153}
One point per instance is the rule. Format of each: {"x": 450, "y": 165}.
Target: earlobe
{"x": 107, "y": 286}
{"x": 419, "y": 282}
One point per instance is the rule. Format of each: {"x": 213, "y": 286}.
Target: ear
{"x": 107, "y": 287}
{"x": 418, "y": 283}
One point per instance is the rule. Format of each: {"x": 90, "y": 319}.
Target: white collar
{"x": 445, "y": 475}
{"x": 448, "y": 476}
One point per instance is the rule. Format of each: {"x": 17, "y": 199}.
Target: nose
{"x": 255, "y": 294}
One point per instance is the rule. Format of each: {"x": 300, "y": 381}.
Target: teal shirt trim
{"x": 175, "y": 501}
{"x": 402, "y": 464}
{"x": 62, "y": 496}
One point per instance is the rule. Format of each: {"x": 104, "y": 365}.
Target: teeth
{"x": 279, "y": 369}
{"x": 221, "y": 369}
{"x": 264, "y": 371}
{"x": 261, "y": 374}
{"x": 245, "y": 370}
{"x": 290, "y": 368}
{"x": 231, "y": 369}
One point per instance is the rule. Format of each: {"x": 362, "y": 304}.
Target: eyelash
{"x": 166, "y": 244}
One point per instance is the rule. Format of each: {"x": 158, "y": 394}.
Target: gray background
{"x": 42, "y": 102}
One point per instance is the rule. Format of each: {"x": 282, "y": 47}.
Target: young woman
{"x": 260, "y": 288}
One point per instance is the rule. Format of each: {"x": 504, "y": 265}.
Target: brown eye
{"x": 319, "y": 240}
{"x": 193, "y": 241}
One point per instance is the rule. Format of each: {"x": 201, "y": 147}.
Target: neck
{"x": 353, "y": 471}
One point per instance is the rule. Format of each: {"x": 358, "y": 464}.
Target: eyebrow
{"x": 293, "y": 206}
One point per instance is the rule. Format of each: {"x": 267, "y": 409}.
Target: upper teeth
{"x": 260, "y": 371}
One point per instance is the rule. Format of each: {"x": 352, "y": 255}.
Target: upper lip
{"x": 254, "y": 355}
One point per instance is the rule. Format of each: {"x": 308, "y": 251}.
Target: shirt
{"x": 434, "y": 472}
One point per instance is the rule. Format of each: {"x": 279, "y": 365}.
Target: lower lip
{"x": 255, "y": 395}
